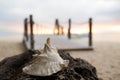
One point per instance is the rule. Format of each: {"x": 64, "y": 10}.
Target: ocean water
{"x": 101, "y": 33}
{"x": 10, "y": 35}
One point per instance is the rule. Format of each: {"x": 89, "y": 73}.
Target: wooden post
{"x": 69, "y": 29}
{"x": 57, "y": 26}
{"x": 25, "y": 29}
{"x": 90, "y": 31}
{"x": 31, "y": 33}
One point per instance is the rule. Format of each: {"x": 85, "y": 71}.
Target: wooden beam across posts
{"x": 90, "y": 31}
{"x": 31, "y": 33}
{"x": 25, "y": 29}
{"x": 69, "y": 29}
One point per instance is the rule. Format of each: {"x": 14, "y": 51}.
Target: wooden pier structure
{"x": 35, "y": 41}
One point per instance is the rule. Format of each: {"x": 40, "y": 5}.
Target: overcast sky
{"x": 14, "y": 11}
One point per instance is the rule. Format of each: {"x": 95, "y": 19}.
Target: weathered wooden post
{"x": 25, "y": 29}
{"x": 31, "y": 33}
{"x": 90, "y": 31}
{"x": 69, "y": 29}
{"x": 57, "y": 26}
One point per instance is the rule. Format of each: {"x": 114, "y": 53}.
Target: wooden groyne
{"x": 33, "y": 41}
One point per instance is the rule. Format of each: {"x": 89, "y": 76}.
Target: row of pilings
{"x": 57, "y": 26}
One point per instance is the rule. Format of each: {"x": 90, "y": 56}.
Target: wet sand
{"x": 105, "y": 57}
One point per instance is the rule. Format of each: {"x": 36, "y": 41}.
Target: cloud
{"x": 48, "y": 10}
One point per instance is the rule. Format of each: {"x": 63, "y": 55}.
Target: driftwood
{"x": 78, "y": 69}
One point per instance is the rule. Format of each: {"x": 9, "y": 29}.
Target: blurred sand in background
{"x": 10, "y": 48}
{"x": 105, "y": 57}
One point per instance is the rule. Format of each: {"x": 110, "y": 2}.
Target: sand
{"x": 10, "y": 48}
{"x": 105, "y": 57}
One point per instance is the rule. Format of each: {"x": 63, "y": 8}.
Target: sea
{"x": 99, "y": 33}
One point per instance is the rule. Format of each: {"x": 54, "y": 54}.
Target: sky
{"x": 13, "y": 12}
{"x": 45, "y": 11}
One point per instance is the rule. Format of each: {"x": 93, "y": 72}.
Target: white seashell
{"x": 46, "y": 63}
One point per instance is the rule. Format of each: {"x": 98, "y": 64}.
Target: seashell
{"x": 46, "y": 63}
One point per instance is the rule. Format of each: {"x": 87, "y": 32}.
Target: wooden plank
{"x": 79, "y": 49}
{"x": 61, "y": 42}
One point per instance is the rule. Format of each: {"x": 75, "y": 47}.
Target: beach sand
{"x": 105, "y": 57}
{"x": 10, "y": 48}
